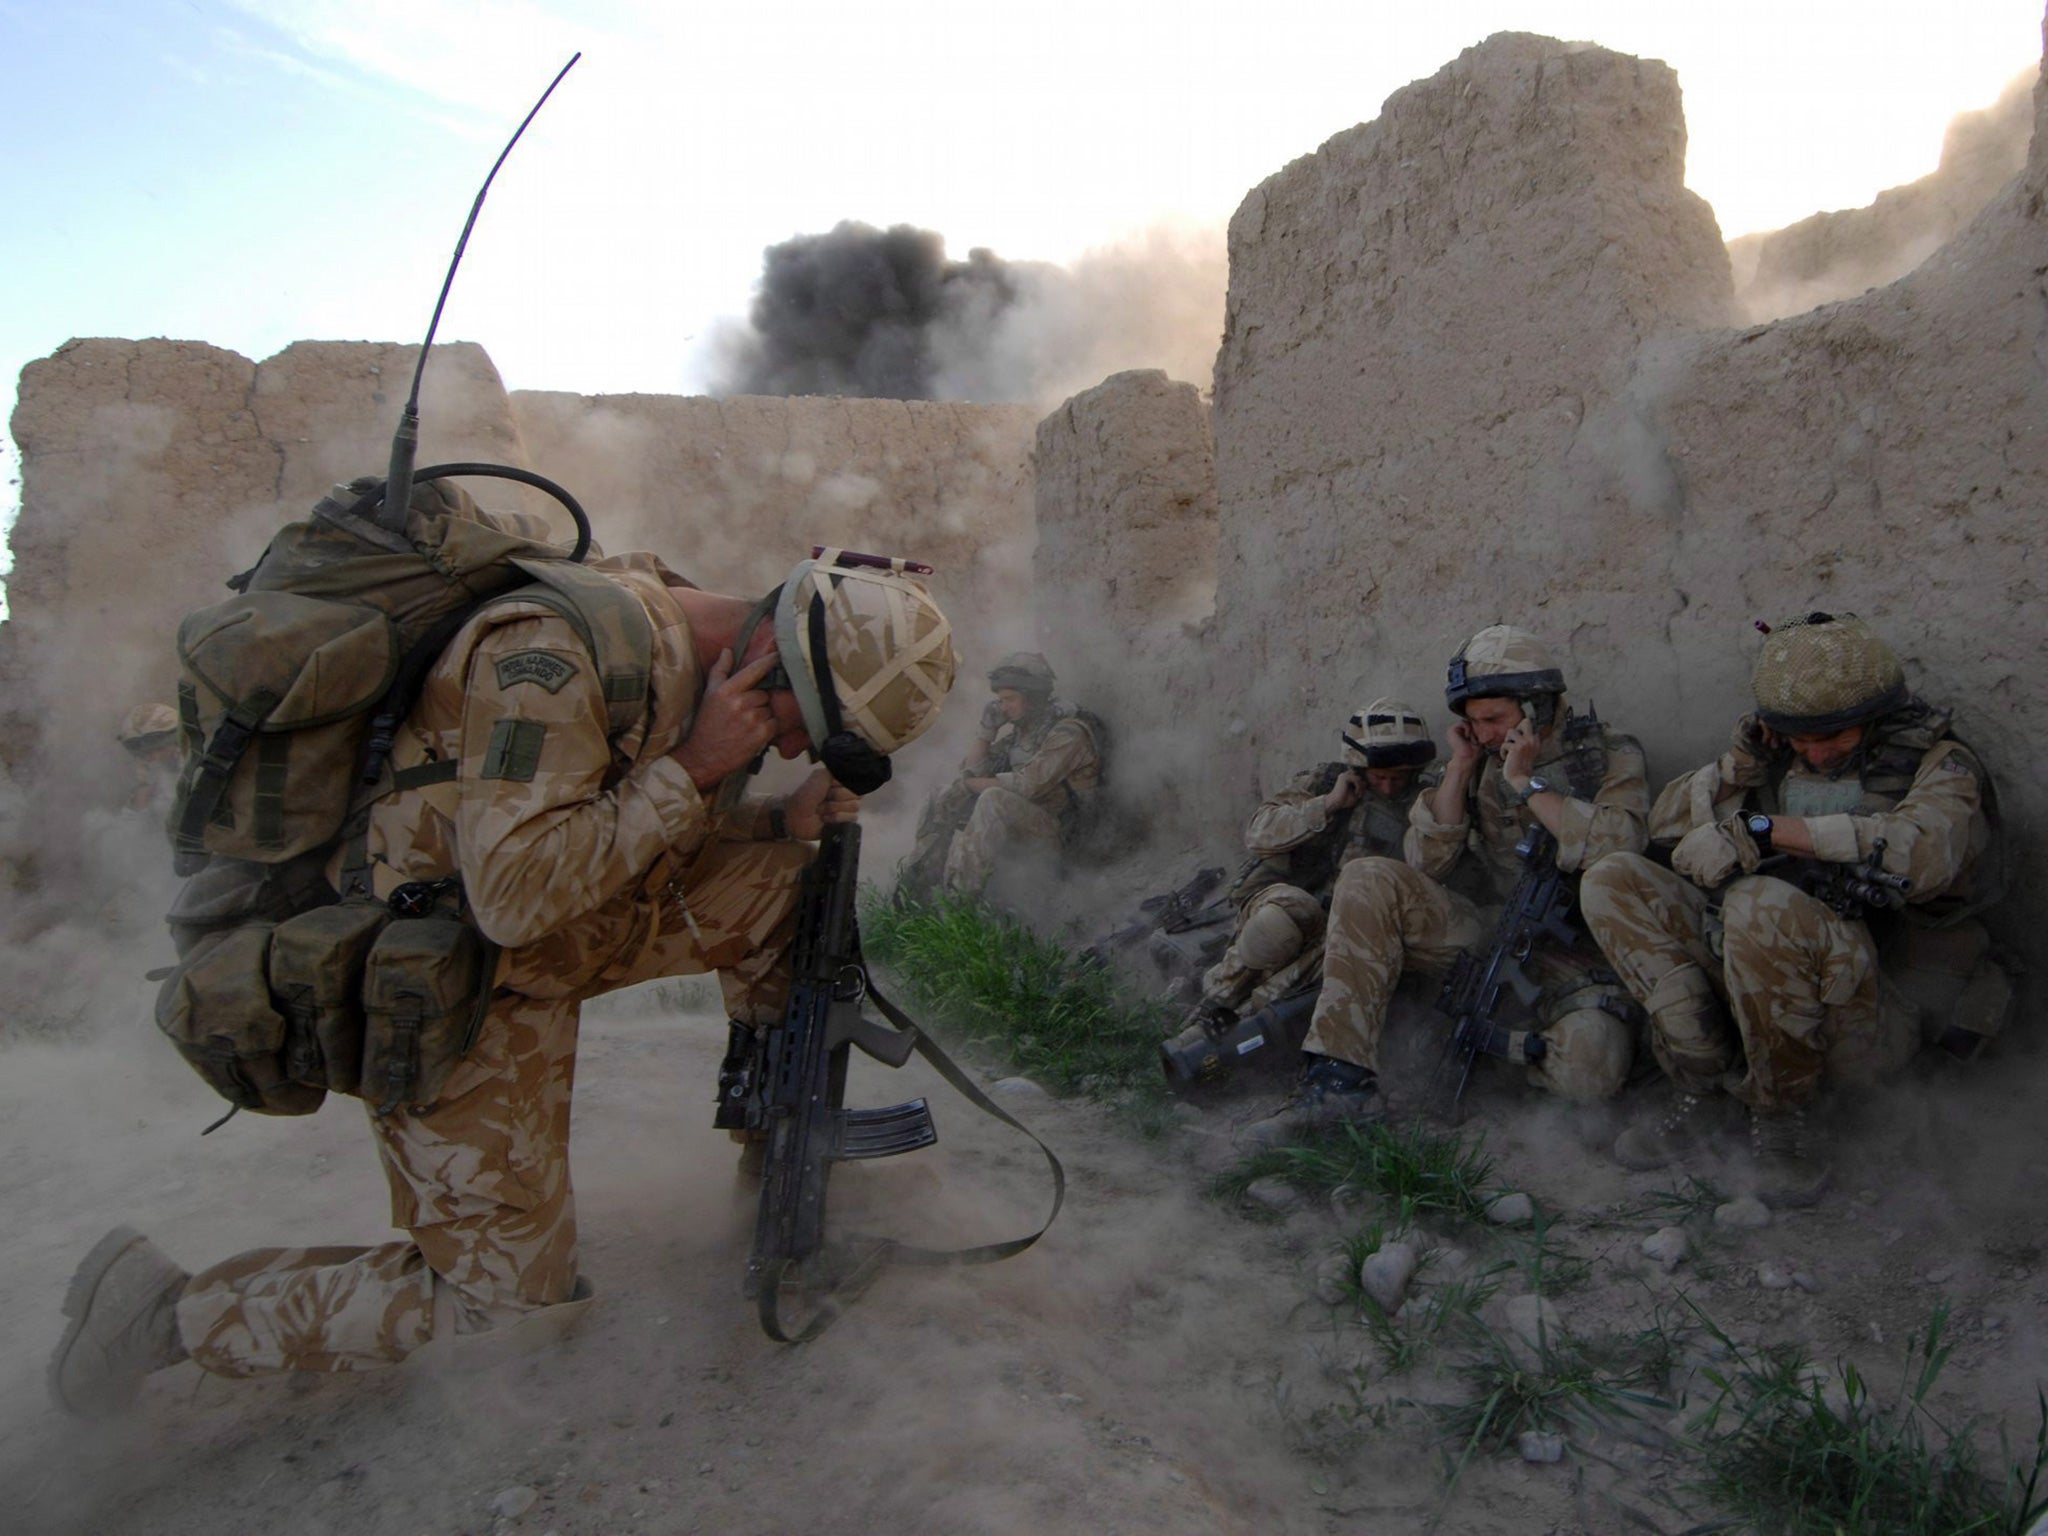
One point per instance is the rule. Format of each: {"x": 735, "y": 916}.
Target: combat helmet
{"x": 1027, "y": 672}
{"x": 147, "y": 727}
{"x": 1823, "y": 673}
{"x": 1503, "y": 662}
{"x": 868, "y": 655}
{"x": 1387, "y": 734}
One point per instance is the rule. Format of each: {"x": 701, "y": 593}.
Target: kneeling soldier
{"x": 1518, "y": 758}
{"x": 1302, "y": 837}
{"x": 1843, "y": 817}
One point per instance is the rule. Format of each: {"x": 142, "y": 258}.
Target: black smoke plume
{"x": 857, "y": 311}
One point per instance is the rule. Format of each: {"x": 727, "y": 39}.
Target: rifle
{"x": 1478, "y": 993}
{"x": 1172, "y": 911}
{"x": 1849, "y": 890}
{"x": 788, "y": 1086}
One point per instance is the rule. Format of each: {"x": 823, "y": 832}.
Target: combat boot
{"x": 122, "y": 1305}
{"x": 1331, "y": 1093}
{"x": 1791, "y": 1159}
{"x": 1651, "y": 1144}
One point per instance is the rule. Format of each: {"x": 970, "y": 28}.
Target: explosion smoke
{"x": 885, "y": 314}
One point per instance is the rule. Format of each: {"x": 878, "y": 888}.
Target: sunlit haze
{"x": 251, "y": 172}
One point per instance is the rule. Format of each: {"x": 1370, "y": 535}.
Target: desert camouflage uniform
{"x": 1047, "y": 764}
{"x": 1300, "y": 846}
{"x": 596, "y": 865}
{"x": 1801, "y": 981}
{"x": 1387, "y": 917}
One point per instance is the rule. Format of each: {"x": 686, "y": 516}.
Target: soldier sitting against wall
{"x": 1031, "y": 782}
{"x": 1331, "y": 814}
{"x": 1518, "y": 758}
{"x": 1844, "y": 822}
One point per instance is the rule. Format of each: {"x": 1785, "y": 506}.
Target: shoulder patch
{"x": 548, "y": 668}
{"x": 514, "y": 751}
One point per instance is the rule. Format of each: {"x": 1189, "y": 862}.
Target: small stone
{"x": 513, "y": 1502}
{"x": 1743, "y": 1215}
{"x": 1276, "y": 1195}
{"x": 1941, "y": 1274}
{"x": 704, "y": 1470}
{"x": 1667, "y": 1246}
{"x": 1773, "y": 1276}
{"x": 1387, "y": 1274}
{"x": 1538, "y": 1447}
{"x": 1511, "y": 1210}
{"x": 1346, "y": 1200}
{"x": 1803, "y": 1278}
{"x": 1021, "y": 1089}
{"x": 1068, "y": 1399}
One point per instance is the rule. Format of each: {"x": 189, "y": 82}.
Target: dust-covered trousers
{"x": 1002, "y": 825}
{"x": 1801, "y": 982}
{"x": 1274, "y": 926}
{"x": 1385, "y": 918}
{"x": 481, "y": 1178}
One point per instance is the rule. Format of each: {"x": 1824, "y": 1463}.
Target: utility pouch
{"x": 1960, "y": 987}
{"x": 425, "y": 988}
{"x": 216, "y": 1008}
{"x": 317, "y": 963}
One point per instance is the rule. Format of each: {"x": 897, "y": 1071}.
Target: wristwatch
{"x": 1537, "y": 785}
{"x": 1759, "y": 831}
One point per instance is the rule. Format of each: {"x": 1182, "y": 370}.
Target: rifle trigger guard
{"x": 850, "y": 985}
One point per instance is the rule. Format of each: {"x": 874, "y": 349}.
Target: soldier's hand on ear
{"x": 1464, "y": 745}
{"x": 733, "y": 725}
{"x": 1518, "y": 753}
{"x": 1753, "y": 750}
{"x": 1344, "y": 794}
{"x": 816, "y": 803}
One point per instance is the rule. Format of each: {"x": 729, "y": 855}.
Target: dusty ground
{"x": 1156, "y": 1364}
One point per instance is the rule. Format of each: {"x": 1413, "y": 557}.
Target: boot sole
{"x": 78, "y": 1297}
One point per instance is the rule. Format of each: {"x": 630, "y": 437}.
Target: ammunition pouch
{"x": 1960, "y": 988}
{"x": 426, "y": 985}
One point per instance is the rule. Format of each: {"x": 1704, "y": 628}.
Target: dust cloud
{"x": 885, "y": 313}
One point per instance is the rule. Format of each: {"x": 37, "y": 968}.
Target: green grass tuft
{"x": 1415, "y": 1169}
{"x": 1024, "y": 999}
{"x": 1790, "y": 1452}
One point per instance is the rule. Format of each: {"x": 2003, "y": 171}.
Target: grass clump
{"x": 1790, "y": 1451}
{"x": 1414, "y": 1169}
{"x": 1030, "y": 1002}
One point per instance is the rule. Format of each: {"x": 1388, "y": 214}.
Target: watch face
{"x": 1759, "y": 825}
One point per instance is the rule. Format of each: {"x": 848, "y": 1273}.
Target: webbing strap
{"x": 273, "y": 759}
{"x": 441, "y": 771}
{"x": 210, "y": 774}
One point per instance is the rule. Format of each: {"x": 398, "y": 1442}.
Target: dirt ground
{"x": 1156, "y": 1364}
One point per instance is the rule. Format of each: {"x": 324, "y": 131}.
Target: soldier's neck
{"x": 715, "y": 622}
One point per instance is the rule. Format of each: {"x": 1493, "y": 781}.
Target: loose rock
{"x": 1275, "y": 1195}
{"x": 1538, "y": 1447}
{"x": 1019, "y": 1088}
{"x": 1667, "y": 1246}
{"x": 1744, "y": 1214}
{"x": 1511, "y": 1210}
{"x": 515, "y": 1501}
{"x": 1773, "y": 1276}
{"x": 1387, "y": 1274}
{"x": 1803, "y": 1278}
{"x": 1333, "y": 1278}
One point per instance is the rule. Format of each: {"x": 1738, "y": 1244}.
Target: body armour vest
{"x": 1884, "y": 769}
{"x": 1374, "y": 827}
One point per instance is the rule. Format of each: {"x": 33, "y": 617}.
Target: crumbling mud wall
{"x": 1479, "y": 367}
{"x": 1832, "y": 256}
{"x": 154, "y": 469}
{"x": 1125, "y": 569}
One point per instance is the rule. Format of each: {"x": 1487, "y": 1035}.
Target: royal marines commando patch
{"x": 548, "y": 668}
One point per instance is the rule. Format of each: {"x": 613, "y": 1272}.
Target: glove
{"x": 992, "y": 718}
{"x": 1711, "y": 856}
{"x": 1752, "y": 753}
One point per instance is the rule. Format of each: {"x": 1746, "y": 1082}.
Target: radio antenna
{"x": 405, "y": 442}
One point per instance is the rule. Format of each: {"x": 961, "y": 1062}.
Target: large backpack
{"x": 290, "y": 696}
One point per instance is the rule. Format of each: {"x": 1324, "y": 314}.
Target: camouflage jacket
{"x": 1606, "y": 811}
{"x": 1295, "y": 840}
{"x": 1048, "y": 757}
{"x": 565, "y": 841}
{"x": 1913, "y": 784}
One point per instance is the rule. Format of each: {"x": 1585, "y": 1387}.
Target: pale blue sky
{"x": 251, "y": 172}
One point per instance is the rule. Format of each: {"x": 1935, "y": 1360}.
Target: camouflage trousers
{"x": 480, "y": 1180}
{"x": 1385, "y": 918}
{"x": 1002, "y": 825}
{"x": 1274, "y": 926}
{"x": 1801, "y": 982}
